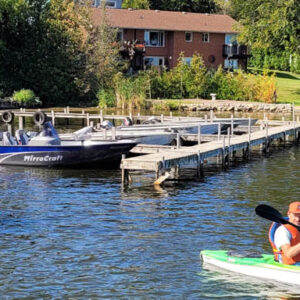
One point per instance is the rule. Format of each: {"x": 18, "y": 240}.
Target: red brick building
{"x": 166, "y": 34}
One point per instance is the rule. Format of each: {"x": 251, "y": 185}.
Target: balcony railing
{"x": 236, "y": 51}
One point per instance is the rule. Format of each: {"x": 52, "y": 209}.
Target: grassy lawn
{"x": 288, "y": 87}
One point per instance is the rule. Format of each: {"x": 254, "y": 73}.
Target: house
{"x": 165, "y": 34}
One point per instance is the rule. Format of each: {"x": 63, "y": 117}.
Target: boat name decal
{"x": 43, "y": 158}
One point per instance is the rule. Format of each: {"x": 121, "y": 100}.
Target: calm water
{"x": 73, "y": 234}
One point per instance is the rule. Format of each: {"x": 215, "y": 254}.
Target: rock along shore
{"x": 229, "y": 105}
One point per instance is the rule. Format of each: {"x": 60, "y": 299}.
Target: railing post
{"x": 231, "y": 125}
{"x": 199, "y": 134}
{"x": 178, "y": 141}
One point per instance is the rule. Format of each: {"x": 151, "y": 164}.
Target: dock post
{"x": 87, "y": 119}
{"x": 178, "y": 143}
{"x": 199, "y": 135}
{"x": 82, "y": 120}
{"x": 157, "y": 173}
{"x": 105, "y": 133}
{"x": 53, "y": 117}
{"x": 10, "y": 129}
{"x": 211, "y": 115}
{"x": 162, "y": 118}
{"x": 101, "y": 116}
{"x": 123, "y": 170}
{"x": 171, "y": 115}
{"x": 231, "y": 125}
{"x": 294, "y": 124}
{"x": 219, "y": 131}
{"x": 205, "y": 118}
{"x": 228, "y": 136}
{"x": 249, "y": 139}
{"x": 113, "y": 119}
{"x": 200, "y": 172}
{"x": 266, "y": 146}
{"x": 223, "y": 153}
{"x": 21, "y": 122}
{"x": 113, "y": 133}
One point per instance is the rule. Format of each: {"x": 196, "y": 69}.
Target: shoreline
{"x": 228, "y": 105}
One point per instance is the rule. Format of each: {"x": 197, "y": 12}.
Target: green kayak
{"x": 259, "y": 266}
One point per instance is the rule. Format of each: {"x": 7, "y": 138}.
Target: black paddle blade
{"x": 270, "y": 213}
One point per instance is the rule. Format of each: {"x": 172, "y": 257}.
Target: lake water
{"x": 74, "y": 234}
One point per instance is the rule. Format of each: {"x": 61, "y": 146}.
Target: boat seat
{"x": 83, "y": 133}
{"x": 21, "y": 136}
{"x": 8, "y": 139}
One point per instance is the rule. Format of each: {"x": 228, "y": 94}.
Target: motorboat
{"x": 48, "y": 149}
{"x": 182, "y": 126}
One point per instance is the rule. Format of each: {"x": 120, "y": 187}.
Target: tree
{"x": 199, "y": 6}
{"x": 42, "y": 47}
{"x": 103, "y": 59}
{"x": 271, "y": 25}
{"x": 136, "y": 4}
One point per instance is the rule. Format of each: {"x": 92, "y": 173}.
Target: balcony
{"x": 236, "y": 51}
{"x": 129, "y": 49}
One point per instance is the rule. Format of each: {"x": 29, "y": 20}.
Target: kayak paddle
{"x": 272, "y": 214}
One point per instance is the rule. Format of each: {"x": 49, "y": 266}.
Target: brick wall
{"x": 175, "y": 43}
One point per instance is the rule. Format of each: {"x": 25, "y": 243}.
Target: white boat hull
{"x": 263, "y": 272}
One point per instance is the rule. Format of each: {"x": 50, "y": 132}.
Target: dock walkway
{"x": 169, "y": 158}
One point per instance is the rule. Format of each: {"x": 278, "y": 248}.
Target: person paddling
{"x": 285, "y": 239}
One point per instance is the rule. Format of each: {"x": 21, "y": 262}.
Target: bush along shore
{"x": 221, "y": 105}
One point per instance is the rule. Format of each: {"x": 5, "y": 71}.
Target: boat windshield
{"x": 49, "y": 130}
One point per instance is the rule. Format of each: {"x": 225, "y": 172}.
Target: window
{"x": 205, "y": 37}
{"x": 231, "y": 64}
{"x": 112, "y": 4}
{"x": 188, "y": 36}
{"x": 154, "y": 38}
{"x": 120, "y": 35}
{"x": 230, "y": 39}
{"x": 153, "y": 61}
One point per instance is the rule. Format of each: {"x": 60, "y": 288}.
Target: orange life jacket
{"x": 295, "y": 240}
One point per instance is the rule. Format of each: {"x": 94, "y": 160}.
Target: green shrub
{"x": 172, "y": 104}
{"x": 25, "y": 96}
{"x": 295, "y": 63}
{"x": 106, "y": 98}
{"x": 131, "y": 91}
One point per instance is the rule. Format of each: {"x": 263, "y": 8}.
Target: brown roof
{"x": 166, "y": 20}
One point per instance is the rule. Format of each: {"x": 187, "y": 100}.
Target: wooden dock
{"x": 167, "y": 161}
{"x": 91, "y": 118}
